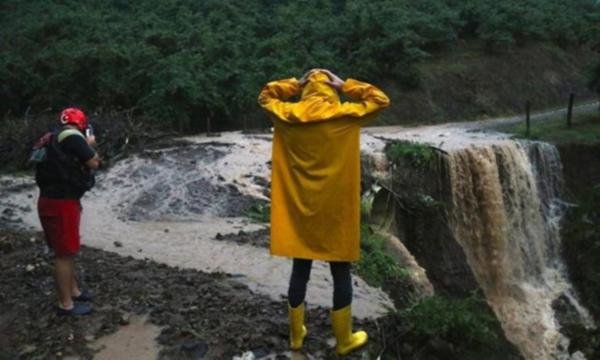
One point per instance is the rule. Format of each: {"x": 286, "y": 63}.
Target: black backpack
{"x": 57, "y": 172}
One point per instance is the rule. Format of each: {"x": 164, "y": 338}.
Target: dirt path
{"x": 494, "y": 123}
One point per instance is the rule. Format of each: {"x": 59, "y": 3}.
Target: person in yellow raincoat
{"x": 315, "y": 187}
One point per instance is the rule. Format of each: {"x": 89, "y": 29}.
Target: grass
{"x": 454, "y": 319}
{"x": 375, "y": 265}
{"x": 260, "y": 213}
{"x": 585, "y": 130}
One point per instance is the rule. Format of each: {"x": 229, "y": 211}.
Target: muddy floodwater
{"x": 186, "y": 206}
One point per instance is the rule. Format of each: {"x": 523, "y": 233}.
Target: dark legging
{"x": 342, "y": 283}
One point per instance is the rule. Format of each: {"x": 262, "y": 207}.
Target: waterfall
{"x": 505, "y": 213}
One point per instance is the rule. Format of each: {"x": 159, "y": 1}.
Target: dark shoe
{"x": 84, "y": 296}
{"x": 77, "y": 310}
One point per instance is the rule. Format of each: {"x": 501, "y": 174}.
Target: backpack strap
{"x": 68, "y": 132}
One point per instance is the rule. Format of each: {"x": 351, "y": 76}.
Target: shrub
{"x": 454, "y": 319}
{"x": 375, "y": 266}
{"x": 594, "y": 76}
{"x": 185, "y": 62}
{"x": 415, "y": 154}
{"x": 259, "y": 213}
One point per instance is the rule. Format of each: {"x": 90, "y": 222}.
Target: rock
{"x": 441, "y": 347}
{"x": 245, "y": 356}
{"x": 124, "y": 319}
{"x": 261, "y": 353}
{"x": 6, "y": 246}
{"x": 166, "y": 230}
{"x": 219, "y": 236}
{"x": 118, "y": 244}
{"x": 28, "y": 349}
{"x": 197, "y": 347}
{"x": 29, "y": 268}
{"x": 407, "y": 349}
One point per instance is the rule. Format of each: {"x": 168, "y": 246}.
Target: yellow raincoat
{"x": 315, "y": 186}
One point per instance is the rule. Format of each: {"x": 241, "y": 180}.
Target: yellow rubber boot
{"x": 341, "y": 322}
{"x": 297, "y": 328}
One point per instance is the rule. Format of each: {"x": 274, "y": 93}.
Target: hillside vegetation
{"x": 181, "y": 62}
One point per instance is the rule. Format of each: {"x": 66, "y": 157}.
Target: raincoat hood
{"x": 317, "y": 86}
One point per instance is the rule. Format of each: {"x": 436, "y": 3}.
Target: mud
{"x": 259, "y": 238}
{"x": 196, "y": 315}
{"x": 135, "y": 339}
{"x": 196, "y": 312}
{"x": 11, "y": 213}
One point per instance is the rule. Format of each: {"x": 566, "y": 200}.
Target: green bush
{"x": 594, "y": 76}
{"x": 375, "y": 265}
{"x": 260, "y": 213}
{"x": 454, "y": 319}
{"x": 184, "y": 62}
{"x": 415, "y": 154}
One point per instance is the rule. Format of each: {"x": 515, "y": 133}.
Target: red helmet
{"x": 74, "y": 116}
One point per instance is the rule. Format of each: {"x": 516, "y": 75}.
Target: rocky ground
{"x": 201, "y": 316}
{"x": 256, "y": 238}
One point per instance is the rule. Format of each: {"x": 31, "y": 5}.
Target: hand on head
{"x": 334, "y": 81}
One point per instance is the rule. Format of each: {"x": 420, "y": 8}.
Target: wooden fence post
{"x": 570, "y": 110}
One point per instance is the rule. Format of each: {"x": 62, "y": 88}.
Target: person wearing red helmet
{"x": 63, "y": 176}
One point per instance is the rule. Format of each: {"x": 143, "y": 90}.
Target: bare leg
{"x": 63, "y": 272}
{"x": 74, "y": 287}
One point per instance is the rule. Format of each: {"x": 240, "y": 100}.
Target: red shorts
{"x": 60, "y": 220}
